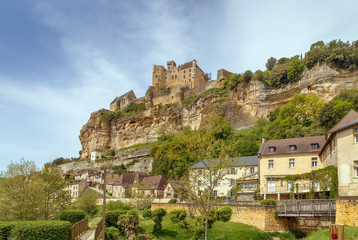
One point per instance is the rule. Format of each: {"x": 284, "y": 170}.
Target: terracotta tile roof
{"x": 154, "y": 182}
{"x": 282, "y": 146}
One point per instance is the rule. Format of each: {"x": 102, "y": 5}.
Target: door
{"x": 271, "y": 182}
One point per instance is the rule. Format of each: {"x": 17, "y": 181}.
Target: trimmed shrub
{"x": 223, "y": 214}
{"x": 117, "y": 205}
{"x": 173, "y": 200}
{"x": 40, "y": 230}
{"x": 130, "y": 223}
{"x": 73, "y": 216}
{"x": 157, "y": 216}
{"x": 147, "y": 213}
{"x": 112, "y": 233}
{"x": 112, "y": 218}
{"x": 5, "y": 229}
{"x": 268, "y": 202}
{"x": 177, "y": 216}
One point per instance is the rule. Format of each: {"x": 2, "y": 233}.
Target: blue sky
{"x": 62, "y": 60}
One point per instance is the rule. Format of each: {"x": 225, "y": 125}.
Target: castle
{"x": 171, "y": 85}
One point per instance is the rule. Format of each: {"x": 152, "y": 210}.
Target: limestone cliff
{"x": 242, "y": 107}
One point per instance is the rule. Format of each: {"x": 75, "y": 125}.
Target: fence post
{"x": 336, "y": 231}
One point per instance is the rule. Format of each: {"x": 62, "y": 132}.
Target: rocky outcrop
{"x": 242, "y": 107}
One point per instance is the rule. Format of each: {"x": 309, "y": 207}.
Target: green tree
{"x": 294, "y": 70}
{"x": 87, "y": 202}
{"x": 247, "y": 76}
{"x": 271, "y": 63}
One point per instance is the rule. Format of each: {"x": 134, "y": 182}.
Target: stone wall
{"x": 347, "y": 211}
{"x": 200, "y": 89}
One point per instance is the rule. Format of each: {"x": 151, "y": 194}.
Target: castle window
{"x": 172, "y": 77}
{"x": 175, "y": 76}
{"x": 190, "y": 70}
{"x": 189, "y": 74}
{"x": 184, "y": 76}
{"x": 184, "y": 71}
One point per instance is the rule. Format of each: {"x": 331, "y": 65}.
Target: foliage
{"x": 191, "y": 100}
{"x": 5, "y": 229}
{"x": 147, "y": 213}
{"x": 271, "y": 63}
{"x": 72, "y": 215}
{"x": 177, "y": 216}
{"x": 294, "y": 70}
{"x": 130, "y": 110}
{"x": 220, "y": 100}
{"x": 223, "y": 214}
{"x": 59, "y": 161}
{"x": 350, "y": 233}
{"x": 112, "y": 233}
{"x": 173, "y": 200}
{"x": 117, "y": 205}
{"x": 129, "y": 222}
{"x": 157, "y": 216}
{"x": 247, "y": 76}
{"x": 268, "y": 202}
{"x": 39, "y": 230}
{"x": 112, "y": 218}
{"x": 87, "y": 202}
{"x": 29, "y": 194}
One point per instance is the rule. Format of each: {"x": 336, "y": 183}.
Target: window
{"x": 184, "y": 76}
{"x": 232, "y": 182}
{"x": 184, "y": 71}
{"x": 270, "y": 164}
{"x": 293, "y": 147}
{"x": 215, "y": 193}
{"x": 189, "y": 74}
{"x": 355, "y": 132}
{"x": 216, "y": 183}
{"x": 291, "y": 185}
{"x": 272, "y": 149}
{"x": 252, "y": 169}
{"x": 175, "y": 76}
{"x": 356, "y": 169}
{"x": 271, "y": 184}
{"x": 233, "y": 171}
{"x": 292, "y": 163}
{"x": 356, "y": 138}
{"x": 314, "y": 162}
{"x": 189, "y": 70}
{"x": 315, "y": 145}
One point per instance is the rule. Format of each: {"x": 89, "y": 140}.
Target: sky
{"x": 62, "y": 60}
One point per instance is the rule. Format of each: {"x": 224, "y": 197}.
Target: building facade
{"x": 119, "y": 103}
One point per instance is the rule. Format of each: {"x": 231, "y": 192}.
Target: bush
{"x": 268, "y": 202}
{"x": 118, "y": 205}
{"x": 5, "y": 229}
{"x": 87, "y": 202}
{"x": 72, "y": 216}
{"x": 112, "y": 218}
{"x": 145, "y": 203}
{"x": 157, "y": 216}
{"x": 173, "y": 200}
{"x": 147, "y": 213}
{"x": 177, "y": 216}
{"x": 40, "y": 230}
{"x": 223, "y": 214}
{"x": 129, "y": 222}
{"x": 112, "y": 233}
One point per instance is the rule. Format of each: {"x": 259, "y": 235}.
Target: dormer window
{"x": 315, "y": 145}
{"x": 272, "y": 149}
{"x": 293, "y": 147}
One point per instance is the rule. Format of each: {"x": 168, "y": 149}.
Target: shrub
{"x": 118, "y": 205}
{"x": 144, "y": 203}
{"x": 147, "y": 213}
{"x": 39, "y": 230}
{"x": 268, "y": 202}
{"x": 5, "y": 229}
{"x": 223, "y": 214}
{"x": 157, "y": 216}
{"x": 112, "y": 218}
{"x": 72, "y": 216}
{"x": 177, "y": 216}
{"x": 173, "y": 200}
{"x": 87, "y": 202}
{"x": 129, "y": 222}
{"x": 112, "y": 233}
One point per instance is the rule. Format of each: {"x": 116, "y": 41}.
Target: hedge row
{"x": 35, "y": 230}
{"x": 72, "y": 216}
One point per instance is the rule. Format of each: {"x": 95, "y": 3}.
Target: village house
{"x": 150, "y": 186}
{"x": 76, "y": 188}
{"x": 122, "y": 187}
{"x": 341, "y": 150}
{"x": 173, "y": 189}
{"x": 282, "y": 157}
{"x": 243, "y": 172}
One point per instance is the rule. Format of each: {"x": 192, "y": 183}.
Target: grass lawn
{"x": 350, "y": 233}
{"x": 220, "y": 230}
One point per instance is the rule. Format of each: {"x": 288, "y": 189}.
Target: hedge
{"x": 72, "y": 216}
{"x": 268, "y": 202}
{"x": 41, "y": 230}
{"x": 112, "y": 218}
{"x": 5, "y": 229}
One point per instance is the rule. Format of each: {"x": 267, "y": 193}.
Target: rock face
{"x": 242, "y": 107}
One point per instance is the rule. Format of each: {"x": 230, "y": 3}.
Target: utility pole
{"x": 104, "y": 203}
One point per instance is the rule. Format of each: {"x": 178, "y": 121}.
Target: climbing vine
{"x": 326, "y": 179}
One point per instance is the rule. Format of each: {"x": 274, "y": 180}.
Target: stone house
{"x": 150, "y": 186}
{"x": 122, "y": 187}
{"x": 341, "y": 150}
{"x": 243, "y": 172}
{"x": 173, "y": 190}
{"x": 76, "y": 188}
{"x": 188, "y": 74}
{"x": 119, "y": 103}
{"x": 282, "y": 157}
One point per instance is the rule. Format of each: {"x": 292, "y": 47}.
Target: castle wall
{"x": 200, "y": 89}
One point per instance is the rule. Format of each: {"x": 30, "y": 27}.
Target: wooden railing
{"x": 98, "y": 234}
{"x": 306, "y": 208}
{"x": 78, "y": 228}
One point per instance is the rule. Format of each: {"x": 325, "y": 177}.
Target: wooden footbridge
{"x": 306, "y": 208}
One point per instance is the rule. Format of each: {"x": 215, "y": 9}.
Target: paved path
{"x": 89, "y": 235}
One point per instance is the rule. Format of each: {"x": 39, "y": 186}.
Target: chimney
{"x": 264, "y": 140}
